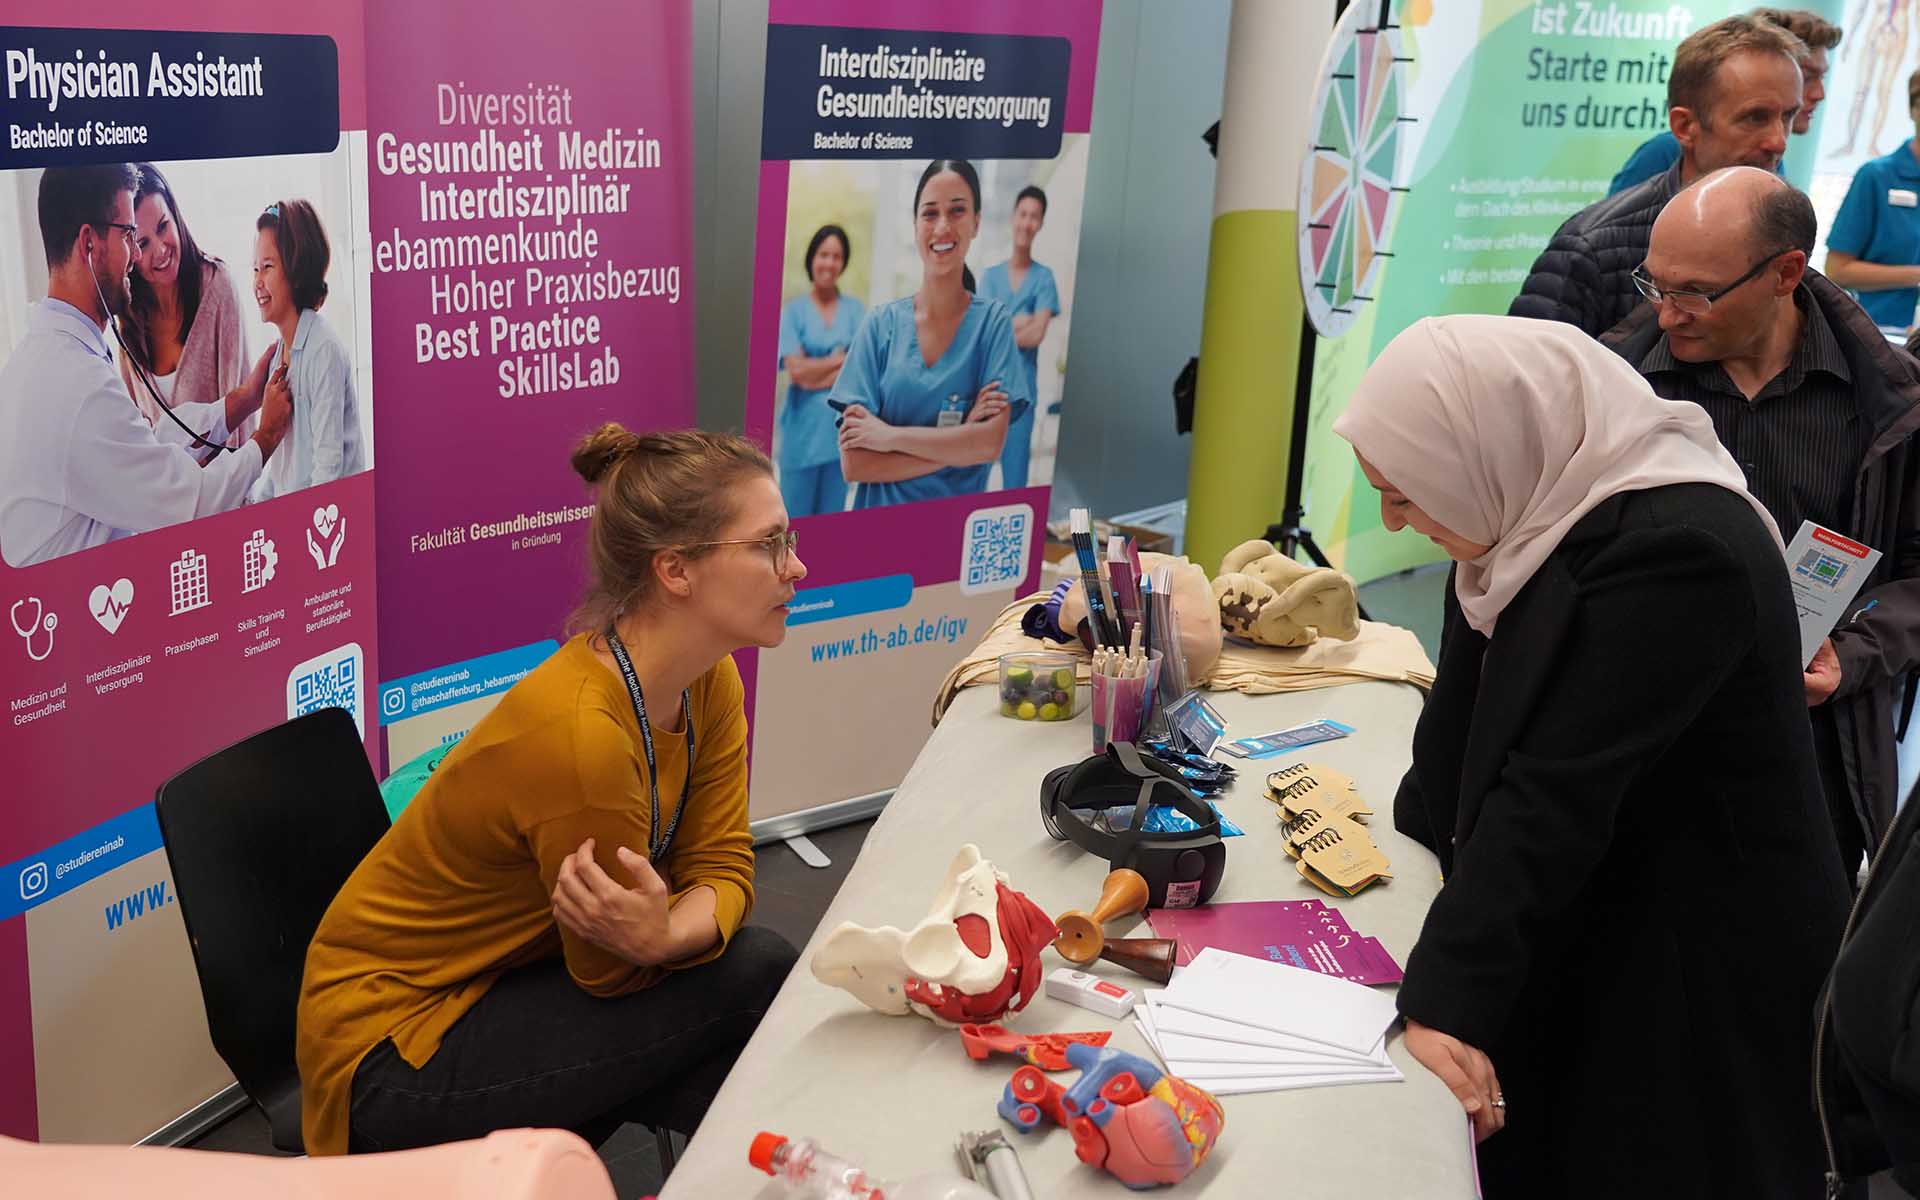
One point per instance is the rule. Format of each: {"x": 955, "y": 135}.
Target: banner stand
{"x": 787, "y": 826}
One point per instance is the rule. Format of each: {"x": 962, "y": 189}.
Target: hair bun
{"x": 599, "y": 451}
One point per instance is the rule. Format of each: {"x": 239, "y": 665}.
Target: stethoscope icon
{"x": 42, "y": 621}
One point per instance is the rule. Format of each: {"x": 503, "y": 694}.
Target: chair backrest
{"x": 260, "y": 837}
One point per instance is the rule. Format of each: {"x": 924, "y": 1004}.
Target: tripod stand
{"x": 1290, "y": 534}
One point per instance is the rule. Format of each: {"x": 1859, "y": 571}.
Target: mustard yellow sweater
{"x": 458, "y": 891}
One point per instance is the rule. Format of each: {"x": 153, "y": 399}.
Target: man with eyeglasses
{"x": 79, "y": 465}
{"x": 1733, "y": 95}
{"x": 1819, "y": 410}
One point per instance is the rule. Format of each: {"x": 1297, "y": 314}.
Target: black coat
{"x": 1585, "y": 275}
{"x": 1869, "y": 1070}
{"x": 1642, "y": 887}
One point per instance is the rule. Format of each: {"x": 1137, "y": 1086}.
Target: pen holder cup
{"x": 1121, "y": 704}
{"x": 1037, "y": 686}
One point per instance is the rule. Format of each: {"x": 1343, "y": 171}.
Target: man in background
{"x": 1732, "y": 97}
{"x": 1662, "y": 150}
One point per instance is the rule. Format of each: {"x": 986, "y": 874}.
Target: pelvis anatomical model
{"x": 974, "y": 958}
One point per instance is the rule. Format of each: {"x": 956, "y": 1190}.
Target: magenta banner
{"x": 922, "y": 176}
{"x": 530, "y": 189}
{"x": 187, "y": 517}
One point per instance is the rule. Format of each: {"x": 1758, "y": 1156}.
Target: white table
{"x": 892, "y": 1093}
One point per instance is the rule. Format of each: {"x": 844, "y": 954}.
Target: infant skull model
{"x": 1268, "y": 598}
{"x": 975, "y": 957}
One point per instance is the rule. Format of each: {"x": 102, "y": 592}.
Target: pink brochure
{"x": 1299, "y": 933}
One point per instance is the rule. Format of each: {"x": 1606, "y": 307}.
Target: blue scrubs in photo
{"x": 1037, "y": 294}
{"x": 809, "y": 455}
{"x": 1879, "y": 222}
{"x": 886, "y": 374}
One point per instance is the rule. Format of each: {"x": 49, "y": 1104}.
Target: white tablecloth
{"x": 892, "y": 1093}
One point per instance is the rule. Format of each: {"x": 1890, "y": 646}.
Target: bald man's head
{"x": 1740, "y": 208}
{"x": 1729, "y": 248}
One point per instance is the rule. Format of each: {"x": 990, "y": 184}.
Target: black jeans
{"x": 538, "y": 1051}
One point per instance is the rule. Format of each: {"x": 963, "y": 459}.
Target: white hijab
{"x": 1509, "y": 430}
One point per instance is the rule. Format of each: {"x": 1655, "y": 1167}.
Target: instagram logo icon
{"x": 33, "y": 881}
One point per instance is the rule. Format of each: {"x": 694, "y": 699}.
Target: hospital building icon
{"x": 187, "y": 582}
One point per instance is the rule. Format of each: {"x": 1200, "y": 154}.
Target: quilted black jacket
{"x": 1583, "y": 277}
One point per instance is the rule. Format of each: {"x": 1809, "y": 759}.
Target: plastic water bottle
{"x": 807, "y": 1170}
{"x": 812, "y": 1173}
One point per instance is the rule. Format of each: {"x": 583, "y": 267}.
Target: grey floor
{"x": 1411, "y": 599}
{"x": 790, "y": 898}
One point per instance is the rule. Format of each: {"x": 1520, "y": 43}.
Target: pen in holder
{"x": 1123, "y": 691}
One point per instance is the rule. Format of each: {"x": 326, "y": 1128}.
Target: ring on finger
{"x": 1500, "y": 1102}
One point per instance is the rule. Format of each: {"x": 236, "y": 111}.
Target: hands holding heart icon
{"x": 329, "y": 524}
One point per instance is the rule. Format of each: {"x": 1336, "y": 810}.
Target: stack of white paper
{"x": 1229, "y": 1023}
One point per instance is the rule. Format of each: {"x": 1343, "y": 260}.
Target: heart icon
{"x": 324, "y": 519}
{"x": 109, "y": 605}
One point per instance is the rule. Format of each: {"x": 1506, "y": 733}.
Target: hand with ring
{"x": 1467, "y": 1072}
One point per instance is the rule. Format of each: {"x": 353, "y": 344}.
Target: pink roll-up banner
{"x": 503, "y": 196}
{"x": 907, "y": 150}
{"x": 161, "y": 609}
{"x": 530, "y": 186}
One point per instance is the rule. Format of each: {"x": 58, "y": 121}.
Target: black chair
{"x": 260, "y": 838}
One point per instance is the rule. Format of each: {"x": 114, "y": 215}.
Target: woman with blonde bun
{"x": 552, "y": 933}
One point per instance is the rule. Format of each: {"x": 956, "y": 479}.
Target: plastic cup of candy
{"x": 1037, "y": 685}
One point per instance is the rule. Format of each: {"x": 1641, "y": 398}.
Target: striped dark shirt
{"x": 1800, "y": 440}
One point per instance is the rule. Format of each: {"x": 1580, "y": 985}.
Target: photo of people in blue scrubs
{"x": 816, "y": 329}
{"x": 892, "y": 330}
{"x": 1028, "y": 290}
{"x": 933, "y": 378}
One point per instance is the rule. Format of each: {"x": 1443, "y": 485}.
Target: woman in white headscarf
{"x": 1614, "y": 767}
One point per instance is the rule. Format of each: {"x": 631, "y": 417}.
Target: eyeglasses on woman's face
{"x": 779, "y": 547}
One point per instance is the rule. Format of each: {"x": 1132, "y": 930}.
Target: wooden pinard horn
{"x": 1149, "y": 958}
{"x": 1081, "y": 938}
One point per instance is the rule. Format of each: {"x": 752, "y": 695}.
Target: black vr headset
{"x": 1182, "y": 869}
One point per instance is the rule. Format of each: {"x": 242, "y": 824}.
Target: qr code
{"x": 330, "y": 680}
{"x": 994, "y": 553}
{"x": 329, "y": 686}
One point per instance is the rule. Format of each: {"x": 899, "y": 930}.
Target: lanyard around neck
{"x": 656, "y": 850}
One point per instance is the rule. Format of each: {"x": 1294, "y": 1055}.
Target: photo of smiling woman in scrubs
{"x": 816, "y": 328}
{"x": 931, "y": 377}
{"x": 1027, "y": 289}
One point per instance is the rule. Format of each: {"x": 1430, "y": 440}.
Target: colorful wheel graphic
{"x": 1352, "y": 169}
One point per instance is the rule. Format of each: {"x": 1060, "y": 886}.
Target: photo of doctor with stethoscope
{"x": 136, "y": 392}
{"x": 79, "y": 465}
